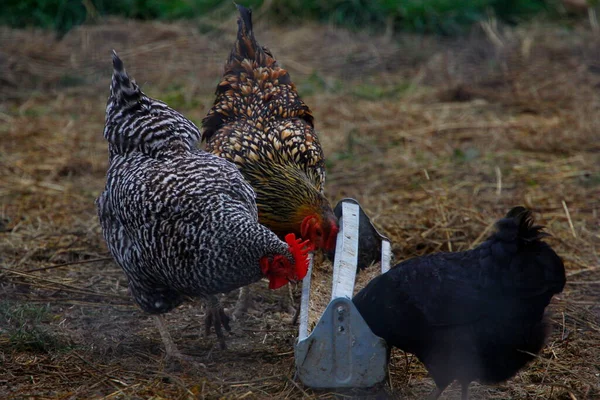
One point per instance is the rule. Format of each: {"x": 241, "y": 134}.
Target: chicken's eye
{"x": 278, "y": 265}
{"x": 318, "y": 232}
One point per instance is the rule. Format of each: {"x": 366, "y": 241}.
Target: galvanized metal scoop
{"x": 341, "y": 351}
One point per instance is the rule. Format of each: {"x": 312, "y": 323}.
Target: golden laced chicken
{"x": 259, "y": 122}
{"x": 178, "y": 220}
{"x": 471, "y": 315}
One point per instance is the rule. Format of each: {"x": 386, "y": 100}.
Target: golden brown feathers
{"x": 259, "y": 122}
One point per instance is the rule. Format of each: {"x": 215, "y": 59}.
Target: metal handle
{"x": 386, "y": 256}
{"x": 304, "y": 300}
{"x": 344, "y": 267}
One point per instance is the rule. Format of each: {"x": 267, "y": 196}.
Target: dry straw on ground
{"x": 436, "y": 139}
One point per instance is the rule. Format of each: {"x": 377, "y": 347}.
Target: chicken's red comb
{"x": 299, "y": 250}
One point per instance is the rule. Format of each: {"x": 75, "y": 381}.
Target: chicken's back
{"x": 258, "y": 115}
{"x": 470, "y": 315}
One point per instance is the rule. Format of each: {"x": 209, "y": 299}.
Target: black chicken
{"x": 471, "y": 315}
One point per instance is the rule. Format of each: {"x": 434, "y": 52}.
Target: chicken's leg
{"x": 215, "y": 316}
{"x": 287, "y": 301}
{"x": 465, "y": 390}
{"x": 296, "y": 308}
{"x": 170, "y": 347}
{"x": 437, "y": 392}
{"x": 296, "y": 314}
{"x": 243, "y": 303}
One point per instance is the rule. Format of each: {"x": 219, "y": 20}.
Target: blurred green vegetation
{"x": 23, "y": 325}
{"x": 447, "y": 17}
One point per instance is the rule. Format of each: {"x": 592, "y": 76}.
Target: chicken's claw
{"x": 216, "y": 317}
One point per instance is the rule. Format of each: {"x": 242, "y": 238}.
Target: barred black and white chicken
{"x": 178, "y": 220}
{"x": 471, "y": 315}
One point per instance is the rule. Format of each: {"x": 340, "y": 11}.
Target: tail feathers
{"x": 136, "y": 122}
{"x": 521, "y": 240}
{"x": 518, "y": 224}
{"x": 245, "y": 21}
{"x": 246, "y": 46}
{"x": 123, "y": 88}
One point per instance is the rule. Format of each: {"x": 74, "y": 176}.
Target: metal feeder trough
{"x": 341, "y": 351}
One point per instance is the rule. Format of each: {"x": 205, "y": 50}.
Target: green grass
{"x": 63, "y": 15}
{"x": 440, "y": 16}
{"x": 176, "y": 96}
{"x": 465, "y": 156}
{"x": 314, "y": 83}
{"x": 69, "y": 80}
{"x": 590, "y": 180}
{"x": 23, "y": 323}
{"x": 369, "y": 91}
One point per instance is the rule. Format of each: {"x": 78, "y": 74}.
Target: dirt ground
{"x": 437, "y": 138}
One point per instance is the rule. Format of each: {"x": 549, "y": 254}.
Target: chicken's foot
{"x": 215, "y": 316}
{"x": 172, "y": 352}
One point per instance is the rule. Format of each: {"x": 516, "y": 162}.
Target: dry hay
{"x": 436, "y": 138}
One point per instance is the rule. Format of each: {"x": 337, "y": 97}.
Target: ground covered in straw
{"x": 437, "y": 138}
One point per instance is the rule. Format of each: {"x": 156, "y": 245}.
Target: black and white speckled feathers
{"x": 178, "y": 220}
{"x": 259, "y": 122}
{"x": 135, "y": 122}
